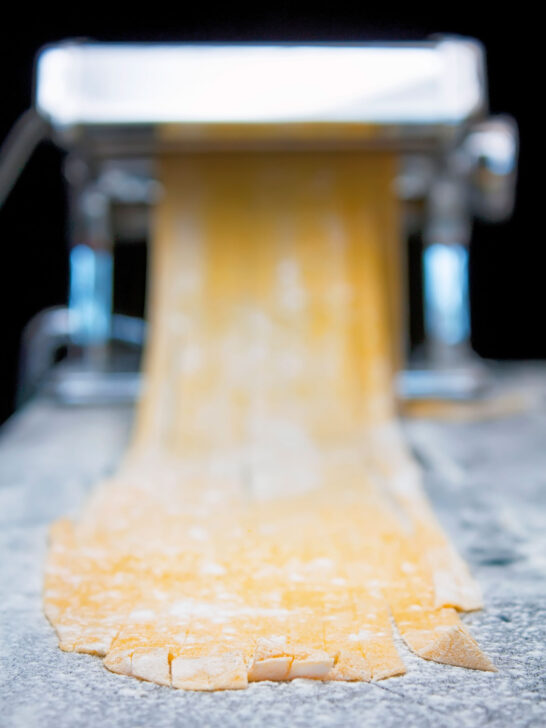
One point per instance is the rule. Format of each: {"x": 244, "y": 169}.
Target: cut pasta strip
{"x": 267, "y": 520}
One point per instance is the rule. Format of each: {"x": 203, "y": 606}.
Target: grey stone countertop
{"x": 487, "y": 481}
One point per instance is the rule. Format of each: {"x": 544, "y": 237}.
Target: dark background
{"x": 507, "y": 272}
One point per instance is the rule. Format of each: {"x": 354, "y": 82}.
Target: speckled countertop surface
{"x": 487, "y": 481}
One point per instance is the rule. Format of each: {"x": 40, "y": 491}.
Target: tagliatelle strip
{"x": 267, "y": 522}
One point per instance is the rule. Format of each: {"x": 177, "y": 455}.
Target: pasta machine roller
{"x": 114, "y": 107}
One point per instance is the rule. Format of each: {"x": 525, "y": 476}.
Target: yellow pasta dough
{"x": 267, "y": 522}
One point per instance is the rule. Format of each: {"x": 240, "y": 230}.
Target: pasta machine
{"x": 114, "y": 107}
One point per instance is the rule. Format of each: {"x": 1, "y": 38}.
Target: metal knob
{"x": 491, "y": 152}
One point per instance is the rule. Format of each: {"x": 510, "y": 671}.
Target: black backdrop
{"x": 507, "y": 274}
